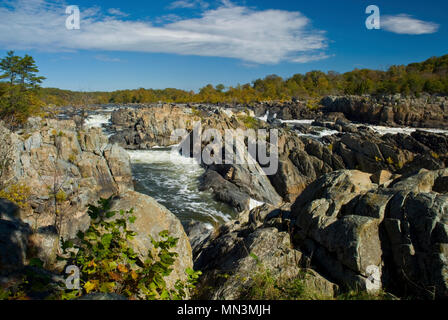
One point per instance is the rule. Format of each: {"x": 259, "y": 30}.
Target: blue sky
{"x": 189, "y": 43}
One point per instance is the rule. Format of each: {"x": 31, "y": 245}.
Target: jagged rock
{"x": 352, "y": 227}
{"x": 61, "y": 171}
{"x": 286, "y": 110}
{"x": 143, "y": 128}
{"x": 381, "y": 177}
{"x": 250, "y": 180}
{"x": 197, "y": 233}
{"x": 436, "y": 142}
{"x": 239, "y": 257}
{"x": 288, "y": 181}
{"x": 118, "y": 162}
{"x": 224, "y": 190}
{"x": 389, "y": 110}
{"x": 245, "y": 248}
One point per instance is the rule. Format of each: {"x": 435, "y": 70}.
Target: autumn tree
{"x": 18, "y": 98}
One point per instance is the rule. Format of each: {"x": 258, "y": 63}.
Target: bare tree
{"x": 82, "y": 105}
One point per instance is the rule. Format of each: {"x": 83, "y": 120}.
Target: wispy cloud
{"x": 117, "y": 12}
{"x": 183, "y": 4}
{"x": 310, "y": 58}
{"x": 167, "y": 18}
{"x": 105, "y": 58}
{"x": 231, "y": 31}
{"x": 406, "y": 24}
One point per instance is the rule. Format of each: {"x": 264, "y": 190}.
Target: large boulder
{"x": 224, "y": 190}
{"x": 249, "y": 247}
{"x": 142, "y": 128}
{"x": 151, "y": 219}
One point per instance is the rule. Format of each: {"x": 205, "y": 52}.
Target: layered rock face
{"x": 63, "y": 170}
{"x": 425, "y": 112}
{"x": 143, "y": 128}
{"x": 52, "y": 172}
{"x": 148, "y": 126}
{"x": 354, "y": 228}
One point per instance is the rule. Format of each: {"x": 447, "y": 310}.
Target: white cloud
{"x": 267, "y": 37}
{"x": 188, "y": 4}
{"x": 406, "y": 24}
{"x": 117, "y": 12}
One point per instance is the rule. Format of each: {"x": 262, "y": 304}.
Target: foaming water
{"x": 318, "y": 134}
{"x": 100, "y": 119}
{"x": 97, "y": 120}
{"x": 301, "y": 121}
{"x": 322, "y": 132}
{"x": 173, "y": 181}
{"x": 382, "y": 130}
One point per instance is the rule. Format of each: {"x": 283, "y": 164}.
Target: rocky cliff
{"x": 50, "y": 172}
{"x": 423, "y": 112}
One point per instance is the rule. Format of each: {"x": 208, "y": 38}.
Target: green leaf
{"x": 106, "y": 240}
{"x": 67, "y": 244}
{"x": 165, "y": 295}
{"x": 36, "y": 262}
{"x": 110, "y": 214}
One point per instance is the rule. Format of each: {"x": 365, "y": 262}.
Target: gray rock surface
{"x": 151, "y": 219}
{"x": 350, "y": 225}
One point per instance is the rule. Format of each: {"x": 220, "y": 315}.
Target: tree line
{"x": 414, "y": 79}
{"x": 21, "y": 95}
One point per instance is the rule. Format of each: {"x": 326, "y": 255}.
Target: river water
{"x": 171, "y": 180}
{"x": 175, "y": 185}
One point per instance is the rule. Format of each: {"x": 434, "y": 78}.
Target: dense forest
{"x": 430, "y": 76}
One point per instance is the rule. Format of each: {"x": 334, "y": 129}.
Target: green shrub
{"x": 109, "y": 265}
{"x": 249, "y": 122}
{"x": 60, "y": 196}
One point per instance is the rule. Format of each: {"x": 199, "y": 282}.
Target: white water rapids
{"x": 171, "y": 179}
{"x": 322, "y": 132}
